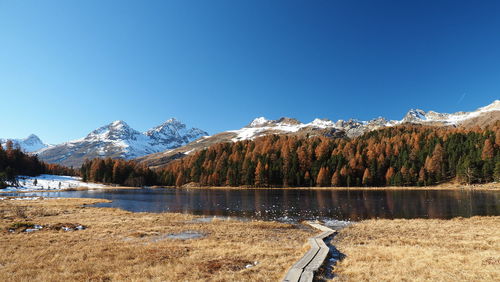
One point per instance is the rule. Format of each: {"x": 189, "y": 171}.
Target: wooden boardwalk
{"x": 305, "y": 267}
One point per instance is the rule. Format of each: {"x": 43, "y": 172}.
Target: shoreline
{"x": 450, "y": 187}
{"x": 478, "y": 187}
{"x": 71, "y": 189}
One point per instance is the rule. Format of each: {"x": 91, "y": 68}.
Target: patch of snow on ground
{"x": 51, "y": 182}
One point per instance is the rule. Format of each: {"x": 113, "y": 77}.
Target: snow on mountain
{"x": 29, "y": 144}
{"x": 258, "y": 122}
{"x": 324, "y": 127}
{"x": 172, "y": 134}
{"x": 262, "y": 126}
{"x": 119, "y": 140}
{"x": 420, "y": 116}
{"x": 414, "y": 115}
{"x": 322, "y": 123}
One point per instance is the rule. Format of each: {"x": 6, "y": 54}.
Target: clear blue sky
{"x": 68, "y": 67}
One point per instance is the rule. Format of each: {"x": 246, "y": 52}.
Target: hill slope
{"x": 484, "y": 116}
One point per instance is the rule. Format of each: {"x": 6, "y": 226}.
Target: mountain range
{"x": 115, "y": 140}
{"x": 341, "y": 128}
{"x": 173, "y": 139}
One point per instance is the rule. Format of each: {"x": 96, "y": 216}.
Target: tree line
{"x": 14, "y": 162}
{"x": 122, "y": 172}
{"x": 409, "y": 155}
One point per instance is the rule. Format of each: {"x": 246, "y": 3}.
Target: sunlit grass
{"x": 421, "y": 249}
{"x": 119, "y": 245}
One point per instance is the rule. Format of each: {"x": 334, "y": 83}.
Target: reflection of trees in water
{"x": 338, "y": 204}
{"x": 320, "y": 199}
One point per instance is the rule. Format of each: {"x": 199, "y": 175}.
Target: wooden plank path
{"x": 303, "y": 270}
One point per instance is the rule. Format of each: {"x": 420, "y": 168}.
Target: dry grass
{"x": 421, "y": 250}
{"x": 119, "y": 245}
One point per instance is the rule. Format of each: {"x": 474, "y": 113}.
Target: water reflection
{"x": 276, "y": 204}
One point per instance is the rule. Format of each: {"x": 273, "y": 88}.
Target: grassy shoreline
{"x": 120, "y": 245}
{"x": 460, "y": 249}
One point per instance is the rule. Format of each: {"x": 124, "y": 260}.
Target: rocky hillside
{"x": 341, "y": 128}
{"x": 119, "y": 140}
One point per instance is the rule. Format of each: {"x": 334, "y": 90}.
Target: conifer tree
{"x": 335, "y": 181}
{"x": 367, "y": 177}
{"x": 488, "y": 150}
{"x": 389, "y": 175}
{"x": 323, "y": 177}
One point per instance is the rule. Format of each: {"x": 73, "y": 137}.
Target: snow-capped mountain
{"x": 262, "y": 126}
{"x": 174, "y": 133}
{"x": 420, "y": 116}
{"x": 29, "y": 144}
{"x": 325, "y": 127}
{"x": 119, "y": 140}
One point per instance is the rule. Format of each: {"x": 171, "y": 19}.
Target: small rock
{"x": 30, "y": 230}
{"x": 80, "y": 227}
{"x": 66, "y": 228}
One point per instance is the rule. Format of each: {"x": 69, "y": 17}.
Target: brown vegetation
{"x": 119, "y": 245}
{"x": 409, "y": 155}
{"x": 420, "y": 249}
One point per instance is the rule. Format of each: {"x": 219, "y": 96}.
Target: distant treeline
{"x": 14, "y": 162}
{"x": 121, "y": 172}
{"x": 408, "y": 155}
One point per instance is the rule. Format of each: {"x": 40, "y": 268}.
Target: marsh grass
{"x": 461, "y": 249}
{"x": 121, "y": 246}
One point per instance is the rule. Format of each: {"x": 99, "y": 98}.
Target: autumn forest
{"x": 410, "y": 155}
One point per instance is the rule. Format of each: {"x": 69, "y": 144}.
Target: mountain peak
{"x": 32, "y": 137}
{"x": 30, "y": 144}
{"x": 495, "y": 106}
{"x": 118, "y": 124}
{"x": 117, "y": 130}
{"x": 288, "y": 121}
{"x": 171, "y": 126}
{"x": 322, "y": 123}
{"x": 257, "y": 122}
{"x": 414, "y": 115}
{"x": 172, "y": 120}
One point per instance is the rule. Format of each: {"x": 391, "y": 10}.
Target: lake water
{"x": 297, "y": 204}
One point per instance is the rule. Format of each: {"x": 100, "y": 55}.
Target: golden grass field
{"x": 123, "y": 246}
{"x": 420, "y": 250}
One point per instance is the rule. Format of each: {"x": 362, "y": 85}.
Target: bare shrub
{"x": 41, "y": 211}
{"x": 19, "y": 211}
